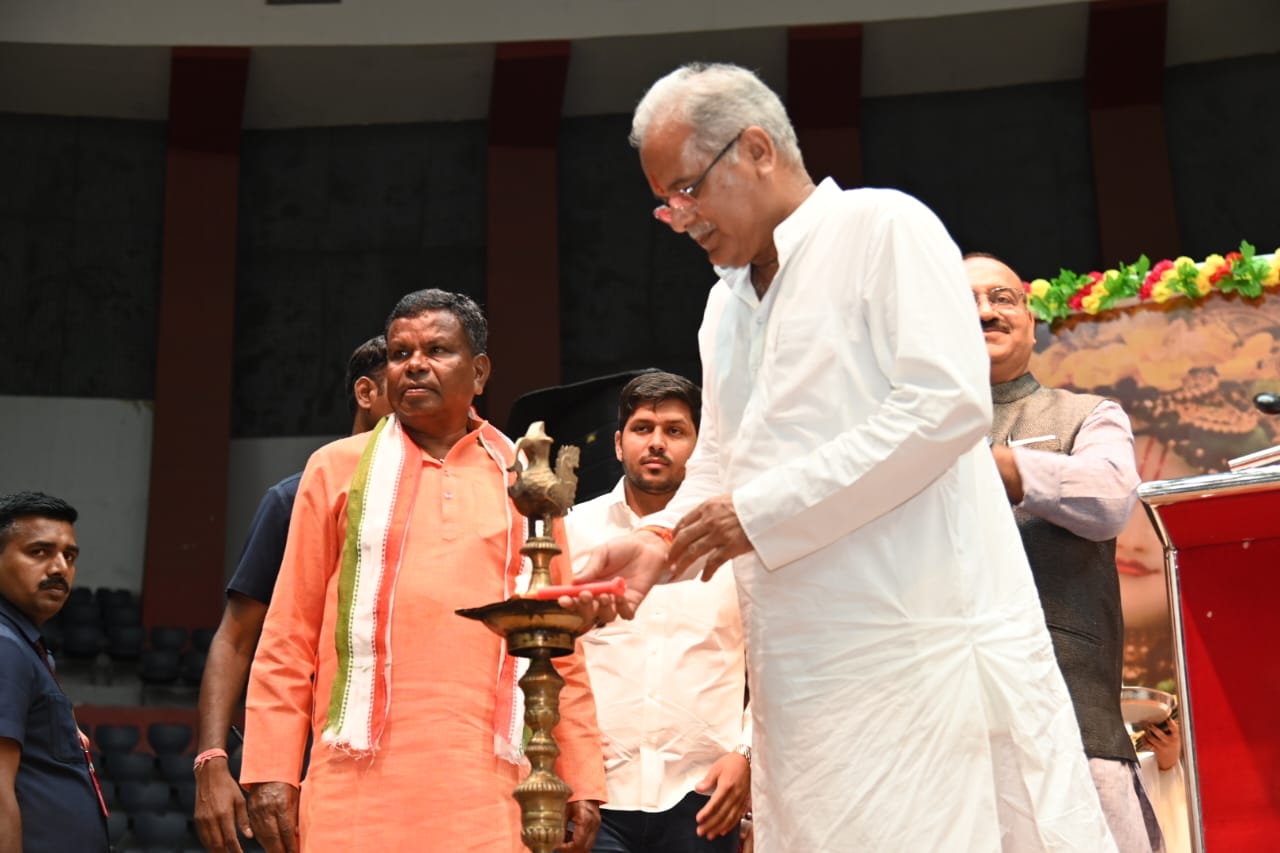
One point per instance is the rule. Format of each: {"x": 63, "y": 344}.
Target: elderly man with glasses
{"x": 895, "y": 642}
{"x": 1067, "y": 464}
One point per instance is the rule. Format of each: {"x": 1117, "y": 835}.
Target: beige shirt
{"x": 669, "y": 684}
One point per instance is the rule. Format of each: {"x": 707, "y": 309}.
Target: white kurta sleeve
{"x": 924, "y": 339}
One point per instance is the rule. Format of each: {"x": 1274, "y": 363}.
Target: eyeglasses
{"x": 999, "y": 298}
{"x": 684, "y": 201}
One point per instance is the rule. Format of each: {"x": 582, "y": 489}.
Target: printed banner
{"x": 1186, "y": 373}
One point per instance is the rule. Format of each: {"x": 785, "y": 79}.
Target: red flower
{"x": 1222, "y": 271}
{"x": 1153, "y": 278}
{"x": 1157, "y": 271}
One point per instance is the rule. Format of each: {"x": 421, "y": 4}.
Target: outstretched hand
{"x": 639, "y": 558}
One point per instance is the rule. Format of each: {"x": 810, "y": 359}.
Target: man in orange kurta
{"x": 433, "y": 781}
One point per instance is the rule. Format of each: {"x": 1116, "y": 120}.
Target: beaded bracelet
{"x": 208, "y": 755}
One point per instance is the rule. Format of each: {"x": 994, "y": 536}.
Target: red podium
{"x": 1221, "y": 534}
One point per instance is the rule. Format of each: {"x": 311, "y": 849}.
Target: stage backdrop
{"x": 1186, "y": 372}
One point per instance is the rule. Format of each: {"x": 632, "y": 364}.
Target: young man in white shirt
{"x": 670, "y": 685}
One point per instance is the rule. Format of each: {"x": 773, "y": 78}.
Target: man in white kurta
{"x": 904, "y": 690}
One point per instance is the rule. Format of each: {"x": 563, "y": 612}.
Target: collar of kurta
{"x": 1014, "y": 389}
{"x": 620, "y": 511}
{"x": 791, "y": 231}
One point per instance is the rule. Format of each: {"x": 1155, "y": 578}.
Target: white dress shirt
{"x": 669, "y": 684}
{"x": 895, "y": 640}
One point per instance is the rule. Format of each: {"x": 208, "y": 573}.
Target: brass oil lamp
{"x": 539, "y": 630}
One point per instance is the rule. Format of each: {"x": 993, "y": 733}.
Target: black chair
{"x": 165, "y": 830}
{"x": 140, "y": 798}
{"x": 168, "y": 638}
{"x": 117, "y": 738}
{"x": 158, "y": 666}
{"x": 117, "y": 824}
{"x": 51, "y": 633}
{"x": 80, "y": 594}
{"x": 169, "y": 738}
{"x": 128, "y": 768}
{"x": 185, "y": 794}
{"x": 191, "y": 669}
{"x": 124, "y": 642}
{"x": 82, "y": 612}
{"x": 81, "y": 641}
{"x": 123, "y": 613}
{"x": 202, "y": 638}
{"x": 175, "y": 767}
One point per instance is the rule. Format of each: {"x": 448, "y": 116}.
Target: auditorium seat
{"x": 144, "y": 798}
{"x": 202, "y": 638}
{"x": 117, "y": 738}
{"x": 81, "y": 641}
{"x": 127, "y": 767}
{"x": 124, "y": 613}
{"x": 164, "y": 830}
{"x": 117, "y": 825}
{"x": 168, "y": 637}
{"x": 124, "y": 642}
{"x": 169, "y": 738}
{"x": 81, "y": 612}
{"x": 51, "y": 633}
{"x": 191, "y": 668}
{"x": 176, "y": 767}
{"x": 184, "y": 792}
{"x": 158, "y": 666}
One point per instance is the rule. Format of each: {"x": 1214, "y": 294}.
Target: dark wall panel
{"x": 1007, "y": 170}
{"x": 80, "y": 230}
{"x": 335, "y": 226}
{"x": 632, "y": 290}
{"x": 1224, "y": 146}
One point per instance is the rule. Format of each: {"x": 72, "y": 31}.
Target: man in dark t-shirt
{"x": 49, "y": 799}
{"x": 220, "y": 805}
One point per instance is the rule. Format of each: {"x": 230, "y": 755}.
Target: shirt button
{"x": 448, "y": 496}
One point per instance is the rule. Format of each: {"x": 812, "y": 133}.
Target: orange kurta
{"x": 435, "y": 782}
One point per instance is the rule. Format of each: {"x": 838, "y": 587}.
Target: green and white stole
{"x": 380, "y": 503}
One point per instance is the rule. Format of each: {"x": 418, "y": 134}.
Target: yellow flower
{"x": 1039, "y": 288}
{"x": 1092, "y": 303}
{"x": 1162, "y": 292}
{"x": 1273, "y": 274}
{"x": 1209, "y": 267}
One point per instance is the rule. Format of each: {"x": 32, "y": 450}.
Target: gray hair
{"x": 716, "y": 100}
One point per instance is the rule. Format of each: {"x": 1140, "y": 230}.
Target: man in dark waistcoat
{"x": 1067, "y": 463}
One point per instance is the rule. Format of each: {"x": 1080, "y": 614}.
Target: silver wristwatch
{"x": 744, "y": 750}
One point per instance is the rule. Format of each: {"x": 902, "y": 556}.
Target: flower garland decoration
{"x": 1243, "y": 271}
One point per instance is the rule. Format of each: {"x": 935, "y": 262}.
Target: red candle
{"x": 617, "y": 586}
